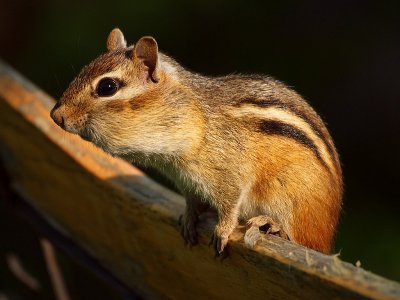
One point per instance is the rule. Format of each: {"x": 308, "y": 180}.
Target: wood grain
{"x": 128, "y": 222}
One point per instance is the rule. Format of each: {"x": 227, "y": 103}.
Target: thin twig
{"x": 15, "y": 266}
{"x": 57, "y": 280}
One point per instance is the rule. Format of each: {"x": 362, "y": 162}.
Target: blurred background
{"x": 343, "y": 57}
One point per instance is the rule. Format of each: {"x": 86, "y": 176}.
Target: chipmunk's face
{"x": 98, "y": 103}
{"x": 118, "y": 100}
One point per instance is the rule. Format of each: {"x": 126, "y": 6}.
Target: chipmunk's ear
{"x": 146, "y": 51}
{"x": 115, "y": 40}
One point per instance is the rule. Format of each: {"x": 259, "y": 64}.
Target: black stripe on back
{"x": 292, "y": 108}
{"x": 279, "y": 128}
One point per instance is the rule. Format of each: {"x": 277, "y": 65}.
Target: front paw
{"x": 188, "y": 230}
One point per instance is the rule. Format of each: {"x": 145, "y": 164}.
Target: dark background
{"x": 344, "y": 57}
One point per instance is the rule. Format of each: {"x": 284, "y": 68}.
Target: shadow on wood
{"x": 129, "y": 223}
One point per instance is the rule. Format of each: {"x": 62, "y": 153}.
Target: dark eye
{"x": 107, "y": 87}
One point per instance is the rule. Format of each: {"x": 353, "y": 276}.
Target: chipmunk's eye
{"x": 107, "y": 87}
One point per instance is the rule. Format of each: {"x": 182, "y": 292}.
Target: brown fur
{"x": 205, "y": 134}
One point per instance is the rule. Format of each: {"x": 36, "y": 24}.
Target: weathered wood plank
{"x": 129, "y": 223}
{"x": 19, "y": 215}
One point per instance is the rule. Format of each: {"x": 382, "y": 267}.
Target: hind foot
{"x": 262, "y": 225}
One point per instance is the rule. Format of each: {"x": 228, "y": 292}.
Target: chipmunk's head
{"x": 124, "y": 101}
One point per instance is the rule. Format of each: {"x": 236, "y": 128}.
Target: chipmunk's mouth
{"x": 86, "y": 132}
{"x": 77, "y": 126}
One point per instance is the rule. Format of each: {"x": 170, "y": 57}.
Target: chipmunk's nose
{"x": 57, "y": 116}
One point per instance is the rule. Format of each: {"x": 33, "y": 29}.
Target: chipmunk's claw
{"x": 218, "y": 242}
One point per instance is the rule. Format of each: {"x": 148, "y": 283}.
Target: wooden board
{"x": 129, "y": 223}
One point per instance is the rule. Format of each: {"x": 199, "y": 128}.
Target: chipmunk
{"x": 249, "y": 146}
